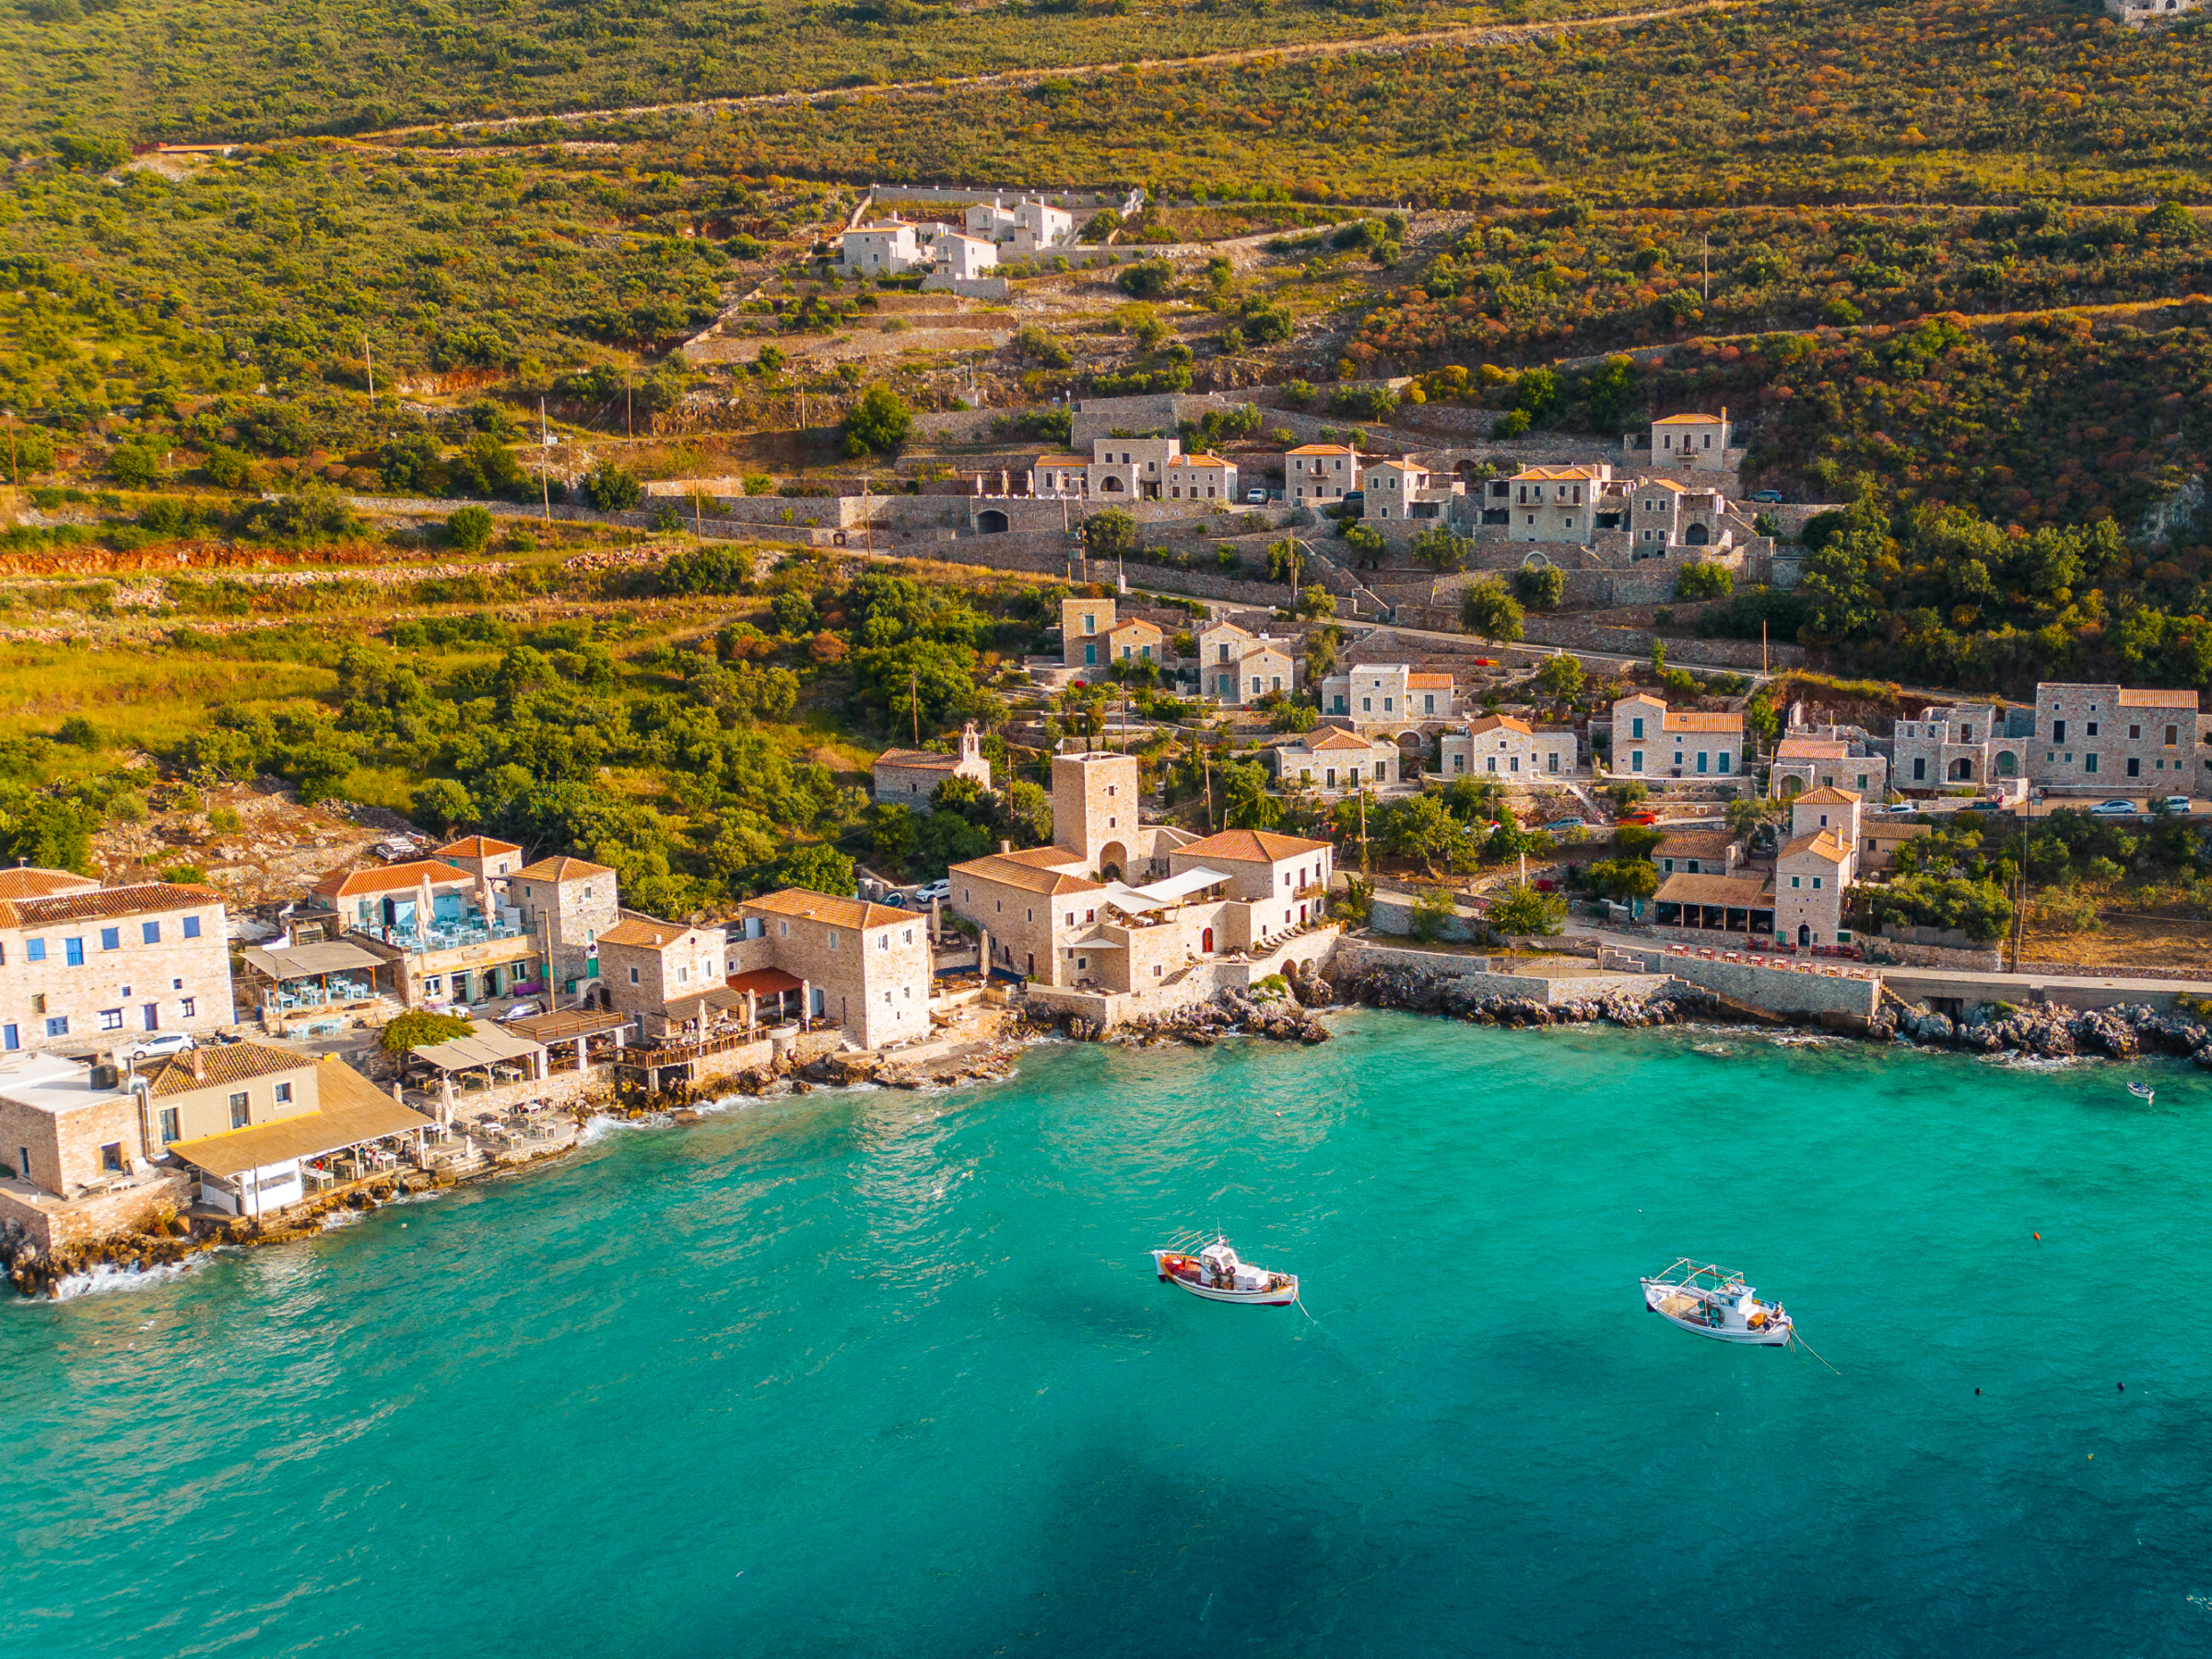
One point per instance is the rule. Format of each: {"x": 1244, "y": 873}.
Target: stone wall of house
{"x": 1551, "y": 990}
{"x": 120, "y": 981}
{"x": 1777, "y": 990}
{"x": 1201, "y": 982}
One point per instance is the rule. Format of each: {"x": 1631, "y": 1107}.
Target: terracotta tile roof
{"x": 1224, "y": 628}
{"x": 1892, "y": 829}
{"x": 1703, "y": 723}
{"x": 390, "y": 878}
{"x": 1064, "y": 859}
{"x": 1812, "y": 748}
{"x": 106, "y": 904}
{"x": 1395, "y": 467}
{"x": 1822, "y": 844}
{"x": 1263, "y": 648}
{"x": 1688, "y": 420}
{"x": 1336, "y": 737}
{"x": 1499, "y": 723}
{"x": 918, "y": 759}
{"x": 222, "y": 1064}
{"x": 1695, "y": 843}
{"x": 1743, "y": 891}
{"x": 2158, "y": 699}
{"x": 28, "y": 881}
{"x": 1643, "y": 697}
{"x": 1829, "y": 795}
{"x": 1252, "y": 846}
{"x": 1663, "y": 484}
{"x": 561, "y": 867}
{"x": 805, "y": 905}
{"x": 1430, "y": 682}
{"x": 1007, "y": 872}
{"x": 1565, "y": 475}
{"x": 1200, "y": 461}
{"x": 476, "y": 846}
{"x": 638, "y": 930}
{"x": 1136, "y": 624}
{"x": 1324, "y": 449}
{"x": 1058, "y": 461}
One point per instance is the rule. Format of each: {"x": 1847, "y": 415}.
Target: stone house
{"x": 1029, "y": 225}
{"x": 1201, "y": 478}
{"x": 1314, "y": 472}
{"x": 1650, "y": 741}
{"x": 1389, "y": 694}
{"x": 884, "y": 249}
{"x": 260, "y": 1168}
{"x": 910, "y": 776}
{"x": 1018, "y": 901}
{"x": 1331, "y": 759}
{"x": 1285, "y": 874}
{"x": 88, "y": 968}
{"x": 1662, "y": 514}
{"x": 1811, "y": 874}
{"x": 214, "y": 1090}
{"x": 1960, "y": 743}
{"x": 1691, "y": 441}
{"x": 1828, "y": 760}
{"x": 2144, "y": 14}
{"x": 1698, "y": 853}
{"x": 566, "y": 904}
{"x": 2089, "y": 739}
{"x": 1741, "y": 904}
{"x": 1084, "y": 624}
{"x": 1509, "y": 750}
{"x": 1236, "y": 667}
{"x": 864, "y": 966}
{"x": 1054, "y": 476}
{"x": 1556, "y": 503}
{"x": 67, "y": 1129}
{"x": 1129, "y": 469}
{"x": 964, "y": 258}
{"x": 1406, "y": 489}
{"x": 1879, "y": 840}
{"x": 646, "y": 966}
{"x": 1137, "y": 641}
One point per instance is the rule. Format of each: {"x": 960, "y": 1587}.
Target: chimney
{"x": 1006, "y": 846}
{"x": 199, "y": 1065}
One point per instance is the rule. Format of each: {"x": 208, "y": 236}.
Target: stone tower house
{"x": 1095, "y": 809}
{"x": 566, "y": 904}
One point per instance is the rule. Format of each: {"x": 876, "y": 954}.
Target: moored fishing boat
{"x": 1218, "y": 1275}
{"x": 2143, "y": 1092}
{"x": 1714, "y": 1302}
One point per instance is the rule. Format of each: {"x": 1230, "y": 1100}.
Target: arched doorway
{"x": 1206, "y": 942}
{"x": 991, "y": 522}
{"x": 1109, "y": 485}
{"x": 1962, "y": 769}
{"x": 2008, "y": 764}
{"x": 1792, "y": 785}
{"x": 1697, "y": 535}
{"x": 1805, "y": 934}
{"x": 1113, "y": 858}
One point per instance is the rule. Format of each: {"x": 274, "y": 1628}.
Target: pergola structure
{"x": 485, "y": 1049}
{"x": 1737, "y": 904}
{"x": 574, "y": 1025}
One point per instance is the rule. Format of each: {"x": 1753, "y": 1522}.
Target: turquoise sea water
{"x": 886, "y": 1374}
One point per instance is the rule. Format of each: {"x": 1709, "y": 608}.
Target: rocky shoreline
{"x": 2126, "y": 1032}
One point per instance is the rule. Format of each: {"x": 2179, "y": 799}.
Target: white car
{"x": 2114, "y": 810}
{"x": 156, "y": 1046}
{"x": 522, "y": 1010}
{"x": 934, "y": 891}
{"x": 2173, "y": 804}
{"x": 1255, "y": 498}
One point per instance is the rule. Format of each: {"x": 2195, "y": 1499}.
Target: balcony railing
{"x": 452, "y": 935}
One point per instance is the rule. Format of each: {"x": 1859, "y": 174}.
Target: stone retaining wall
{"x": 52, "y": 1223}
{"x": 1979, "y": 959}
{"x": 1200, "y": 984}
{"x": 1551, "y": 990}
{"x": 1777, "y": 990}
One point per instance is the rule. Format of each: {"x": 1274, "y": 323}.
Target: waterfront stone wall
{"x": 1906, "y": 953}
{"x": 53, "y": 1223}
{"x": 1198, "y": 984}
{"x": 1357, "y": 956}
{"x": 1777, "y": 990}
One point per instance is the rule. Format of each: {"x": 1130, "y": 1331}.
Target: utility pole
{"x": 628, "y": 430}
{"x": 1762, "y": 648}
{"x": 1364, "y": 862}
{"x": 1205, "y": 763}
{"x": 1709, "y": 266}
{"x": 368, "y": 363}
{"x": 914, "y": 691}
{"x": 545, "y": 464}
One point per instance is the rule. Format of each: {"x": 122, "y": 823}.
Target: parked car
{"x": 2171, "y": 804}
{"x": 1487, "y": 663}
{"x": 1898, "y": 810}
{"x": 1764, "y": 494}
{"x": 936, "y": 892}
{"x": 895, "y": 898}
{"x": 1558, "y": 825}
{"x": 1643, "y": 814}
{"x": 522, "y": 1010}
{"x": 2114, "y": 810}
{"x": 1256, "y": 498}
{"x": 155, "y": 1046}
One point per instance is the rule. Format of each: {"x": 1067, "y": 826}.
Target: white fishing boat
{"x": 2143, "y": 1092}
{"x": 1218, "y": 1275}
{"x": 1714, "y": 1302}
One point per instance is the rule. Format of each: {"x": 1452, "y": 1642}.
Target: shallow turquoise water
{"x": 882, "y": 1373}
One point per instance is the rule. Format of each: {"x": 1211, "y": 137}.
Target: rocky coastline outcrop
{"x": 1280, "y": 1009}
{"x": 2045, "y": 1031}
